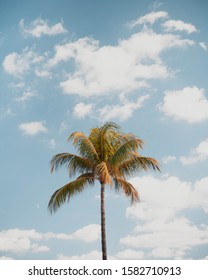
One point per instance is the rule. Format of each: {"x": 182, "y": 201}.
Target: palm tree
{"x": 106, "y": 155}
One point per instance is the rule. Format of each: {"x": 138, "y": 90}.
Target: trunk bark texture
{"x": 103, "y": 229}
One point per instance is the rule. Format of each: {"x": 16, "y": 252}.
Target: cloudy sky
{"x": 70, "y": 65}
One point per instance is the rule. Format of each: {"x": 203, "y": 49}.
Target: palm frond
{"x": 84, "y": 146}
{"x": 127, "y": 188}
{"x": 64, "y": 193}
{"x": 123, "y": 152}
{"x": 59, "y": 160}
{"x": 129, "y": 136}
{"x": 110, "y": 126}
{"x": 89, "y": 176}
{"x": 79, "y": 165}
{"x": 103, "y": 139}
{"x": 103, "y": 173}
{"x": 137, "y": 163}
{"x": 147, "y": 163}
{"x": 73, "y": 162}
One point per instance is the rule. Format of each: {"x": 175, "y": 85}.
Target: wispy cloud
{"x": 52, "y": 143}
{"x": 42, "y": 73}
{"x": 179, "y": 25}
{"x": 6, "y": 112}
{"x": 200, "y": 153}
{"x": 40, "y": 27}
{"x": 149, "y": 18}
{"x": 32, "y": 128}
{"x": 168, "y": 159}
{"x": 25, "y": 96}
{"x": 203, "y": 46}
{"x": 188, "y": 104}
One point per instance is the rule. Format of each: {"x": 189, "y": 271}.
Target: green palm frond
{"x": 73, "y": 163}
{"x": 84, "y": 146}
{"x": 137, "y": 163}
{"x": 127, "y": 188}
{"x": 110, "y": 126}
{"x": 147, "y": 163}
{"x": 103, "y": 139}
{"x": 79, "y": 165}
{"x": 89, "y": 176}
{"x": 64, "y": 193}
{"x": 123, "y": 152}
{"x": 125, "y": 137}
{"x": 59, "y": 160}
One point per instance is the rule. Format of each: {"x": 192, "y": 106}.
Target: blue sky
{"x": 70, "y": 65}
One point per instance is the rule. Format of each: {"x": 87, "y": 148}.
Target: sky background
{"x": 71, "y": 65}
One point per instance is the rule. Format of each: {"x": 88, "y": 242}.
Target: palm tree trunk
{"x": 103, "y": 230}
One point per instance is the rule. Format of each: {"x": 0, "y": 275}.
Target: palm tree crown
{"x": 106, "y": 155}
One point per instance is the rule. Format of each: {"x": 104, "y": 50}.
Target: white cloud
{"x": 32, "y": 128}
{"x": 25, "y": 96}
{"x": 179, "y": 25}
{"x": 164, "y": 198}
{"x": 42, "y": 73}
{"x": 122, "y": 112}
{"x": 18, "y": 85}
{"x": 19, "y": 64}
{"x": 81, "y": 110}
{"x": 89, "y": 233}
{"x": 5, "y": 258}
{"x": 203, "y": 46}
{"x": 200, "y": 153}
{"x": 189, "y": 104}
{"x": 155, "y": 5}
{"x": 162, "y": 230}
{"x": 22, "y": 241}
{"x": 40, "y": 27}
{"x": 15, "y": 64}
{"x": 130, "y": 254}
{"x": 52, "y": 143}
{"x": 149, "y": 18}
{"x": 93, "y": 255}
{"x": 167, "y": 239}
{"x": 200, "y": 194}
{"x": 157, "y": 197}
{"x": 64, "y": 126}
{"x": 168, "y": 159}
{"x": 129, "y": 65}
{"x": 6, "y": 112}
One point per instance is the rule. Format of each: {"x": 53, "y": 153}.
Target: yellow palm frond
{"x": 64, "y": 193}
{"x": 74, "y": 163}
{"x": 127, "y": 188}
{"x": 136, "y": 163}
{"x": 124, "y": 151}
{"x": 103, "y": 173}
{"x": 84, "y": 146}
